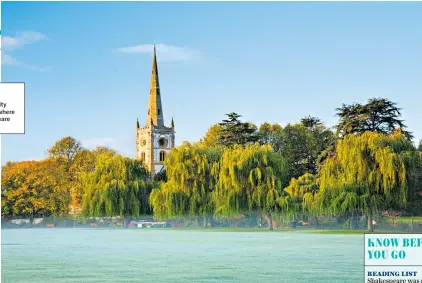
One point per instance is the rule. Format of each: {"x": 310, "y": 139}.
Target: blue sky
{"x": 87, "y": 65}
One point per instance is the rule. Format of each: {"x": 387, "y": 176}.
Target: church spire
{"x": 155, "y": 110}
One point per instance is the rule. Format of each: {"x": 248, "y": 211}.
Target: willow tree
{"x": 84, "y": 161}
{"x": 413, "y": 161}
{"x": 303, "y": 194}
{"x": 191, "y": 177}
{"x": 249, "y": 181}
{"x": 117, "y": 187}
{"x": 367, "y": 172}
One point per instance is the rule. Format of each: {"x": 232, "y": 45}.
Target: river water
{"x": 153, "y": 255}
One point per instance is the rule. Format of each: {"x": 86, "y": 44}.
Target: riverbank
{"x": 308, "y": 231}
{"x": 232, "y": 230}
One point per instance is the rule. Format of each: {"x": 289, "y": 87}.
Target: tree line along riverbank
{"x": 366, "y": 167}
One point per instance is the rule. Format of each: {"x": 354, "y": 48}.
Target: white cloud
{"x": 166, "y": 52}
{"x": 9, "y": 43}
{"x": 21, "y": 39}
{"x": 8, "y": 60}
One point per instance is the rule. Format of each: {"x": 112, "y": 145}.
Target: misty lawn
{"x": 153, "y": 255}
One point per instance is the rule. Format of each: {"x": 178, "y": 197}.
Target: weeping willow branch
{"x": 366, "y": 173}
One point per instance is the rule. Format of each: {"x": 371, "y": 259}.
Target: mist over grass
{"x": 250, "y": 223}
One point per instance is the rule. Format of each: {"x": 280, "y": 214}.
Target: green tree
{"x": 367, "y": 172}
{"x": 249, "y": 180}
{"x": 321, "y": 138}
{"x": 233, "y": 131}
{"x": 66, "y": 149}
{"x": 191, "y": 176}
{"x": 295, "y": 145}
{"x": 378, "y": 115}
{"x": 64, "y": 153}
{"x": 413, "y": 164}
{"x": 117, "y": 187}
{"x": 311, "y": 122}
{"x": 271, "y": 135}
{"x": 301, "y": 144}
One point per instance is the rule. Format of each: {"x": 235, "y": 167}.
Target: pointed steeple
{"x": 137, "y": 123}
{"x": 155, "y": 110}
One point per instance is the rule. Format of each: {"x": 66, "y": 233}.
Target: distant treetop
{"x": 378, "y": 115}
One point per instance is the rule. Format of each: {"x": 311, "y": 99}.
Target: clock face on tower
{"x": 162, "y": 142}
{"x": 143, "y": 142}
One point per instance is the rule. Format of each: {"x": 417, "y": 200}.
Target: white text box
{"x": 12, "y": 108}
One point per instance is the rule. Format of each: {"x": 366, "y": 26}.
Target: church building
{"x": 154, "y": 140}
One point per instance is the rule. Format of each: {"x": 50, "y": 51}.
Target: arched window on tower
{"x": 143, "y": 156}
{"x": 162, "y": 155}
{"x": 159, "y": 111}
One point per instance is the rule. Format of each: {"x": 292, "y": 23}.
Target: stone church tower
{"x": 155, "y": 140}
